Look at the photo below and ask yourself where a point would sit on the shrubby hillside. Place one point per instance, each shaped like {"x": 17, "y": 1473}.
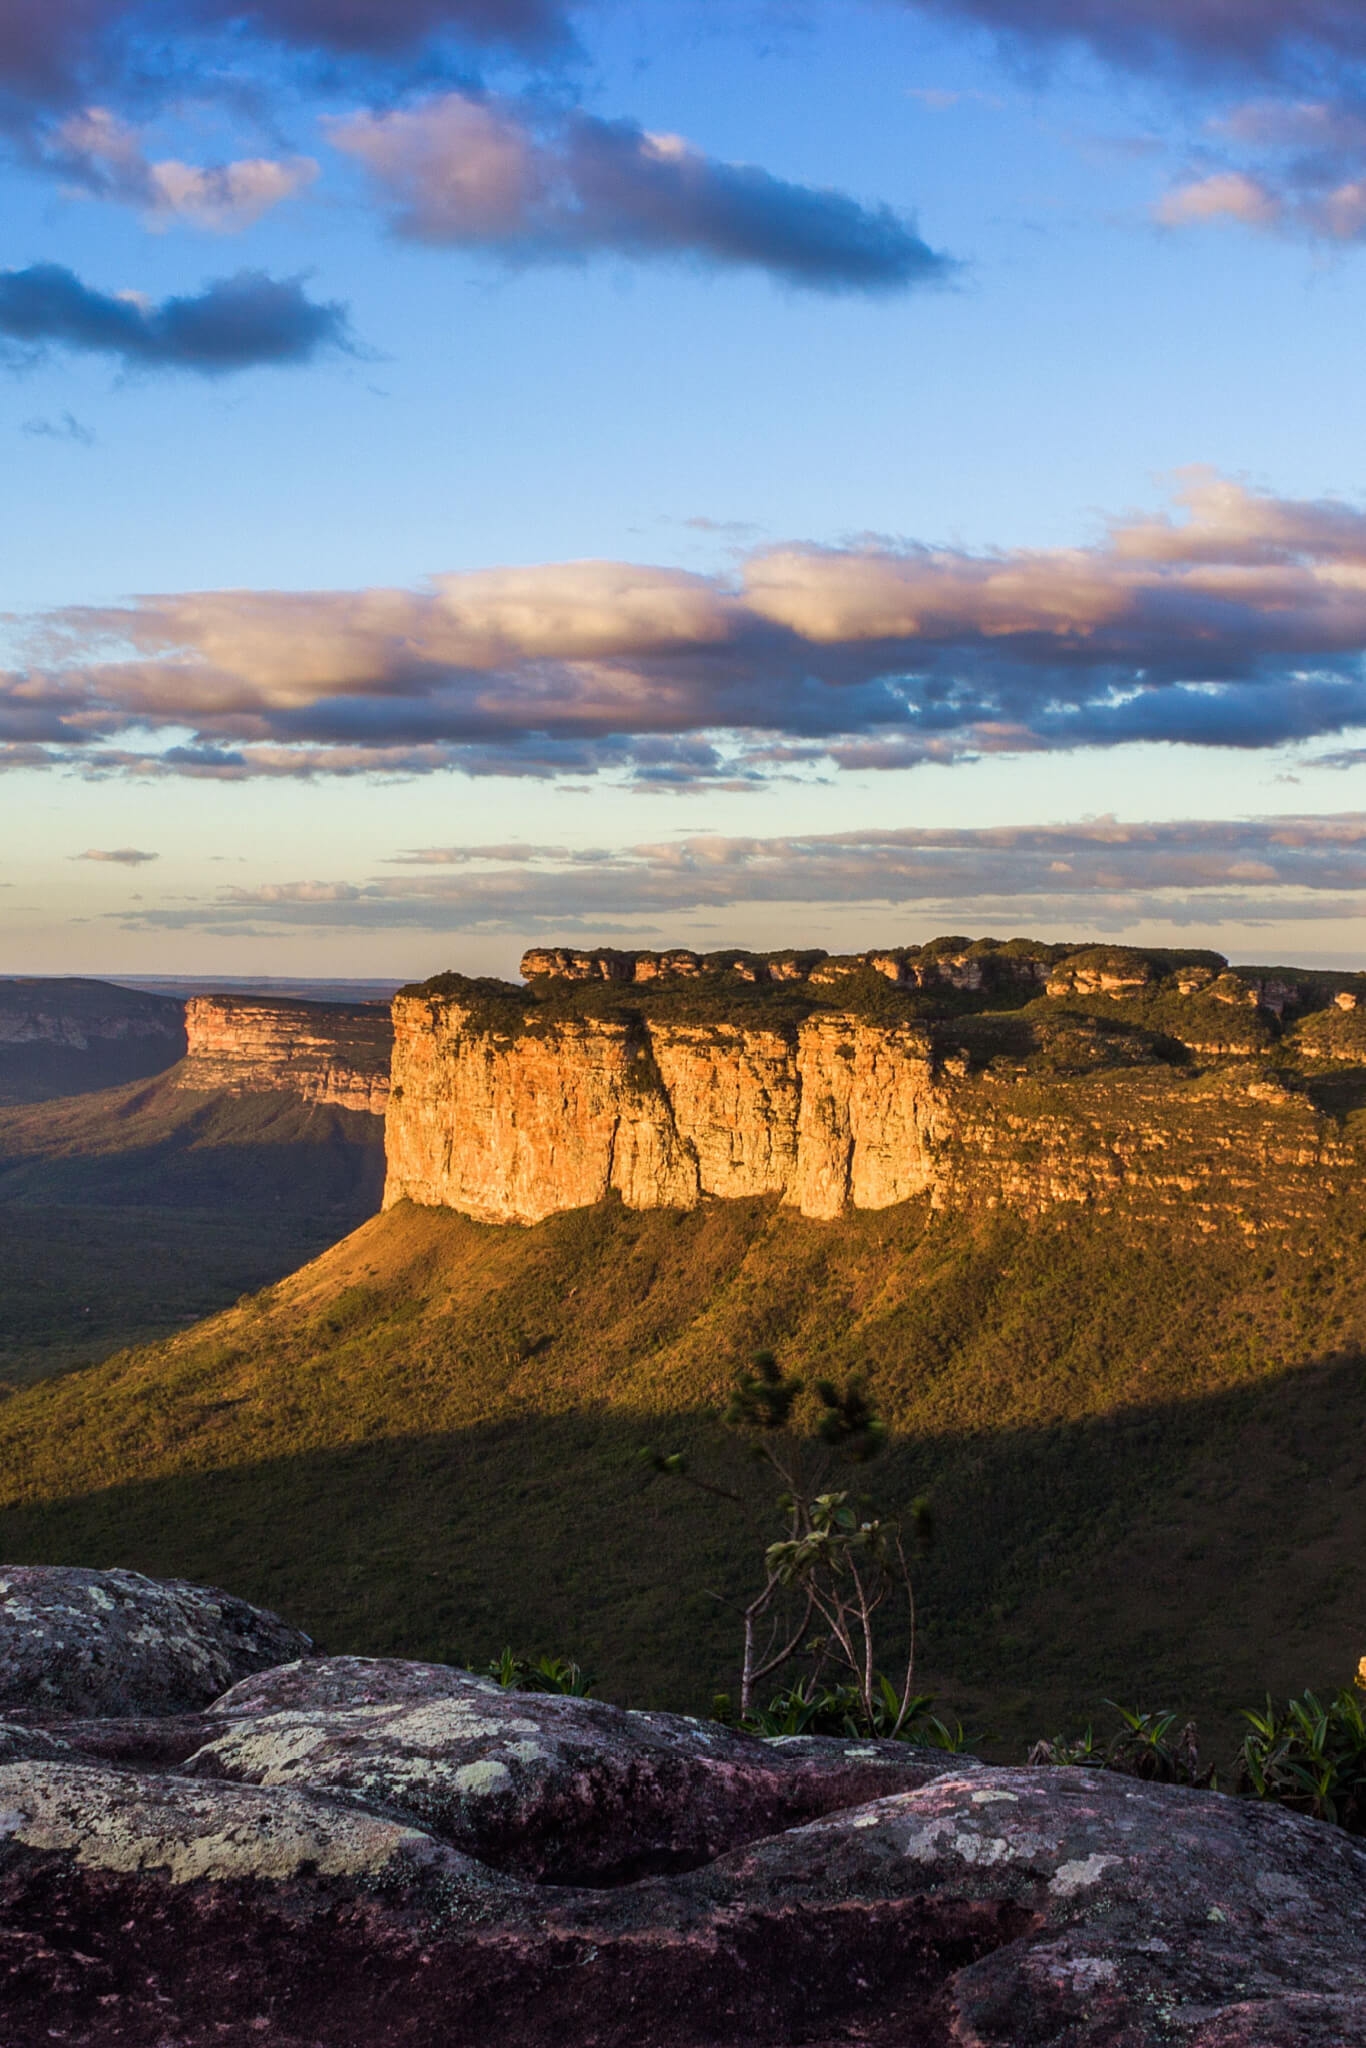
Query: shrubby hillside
{"x": 1143, "y": 1443}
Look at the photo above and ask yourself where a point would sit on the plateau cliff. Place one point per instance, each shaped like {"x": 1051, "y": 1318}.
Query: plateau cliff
{"x": 331, "y": 1053}
{"x": 971, "y": 1073}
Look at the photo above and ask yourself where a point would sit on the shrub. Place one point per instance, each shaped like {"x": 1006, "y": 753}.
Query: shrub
{"x": 1309, "y": 1755}
{"x": 545, "y": 1674}
{"x": 1158, "y": 1747}
{"x": 838, "y": 1562}
{"x": 807, "y": 1709}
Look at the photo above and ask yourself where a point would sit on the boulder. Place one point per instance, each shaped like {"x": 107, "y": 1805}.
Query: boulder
{"x": 74, "y": 1641}
{"x": 987, "y": 1908}
{"x": 558, "y": 1790}
{"x": 354, "y": 1850}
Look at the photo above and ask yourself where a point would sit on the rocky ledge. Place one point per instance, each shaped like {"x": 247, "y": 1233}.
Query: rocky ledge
{"x": 344, "y": 1850}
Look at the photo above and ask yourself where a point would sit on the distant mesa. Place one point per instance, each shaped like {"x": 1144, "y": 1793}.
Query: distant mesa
{"x": 335, "y": 1053}
{"x": 67, "y": 1036}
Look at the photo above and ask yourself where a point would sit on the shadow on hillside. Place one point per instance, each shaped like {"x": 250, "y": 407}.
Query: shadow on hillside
{"x": 126, "y": 1215}
{"x": 1188, "y": 1554}
{"x": 42, "y": 1072}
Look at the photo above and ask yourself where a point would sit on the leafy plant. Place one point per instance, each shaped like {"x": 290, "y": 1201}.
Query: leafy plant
{"x": 838, "y": 1562}
{"x": 1158, "y": 1747}
{"x": 545, "y": 1674}
{"x": 806, "y": 1709}
{"x": 1309, "y": 1755}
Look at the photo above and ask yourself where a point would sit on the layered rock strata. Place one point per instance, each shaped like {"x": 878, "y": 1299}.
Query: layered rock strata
{"x": 323, "y": 1052}
{"x": 832, "y": 1112}
{"x": 370, "y": 1850}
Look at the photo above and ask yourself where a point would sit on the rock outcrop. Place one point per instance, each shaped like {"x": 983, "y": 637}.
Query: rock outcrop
{"x": 74, "y": 1641}
{"x": 323, "y": 1052}
{"x": 388, "y": 1853}
{"x": 984, "y": 1075}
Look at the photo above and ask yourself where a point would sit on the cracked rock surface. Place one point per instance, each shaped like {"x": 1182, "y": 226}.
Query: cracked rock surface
{"x": 351, "y": 1851}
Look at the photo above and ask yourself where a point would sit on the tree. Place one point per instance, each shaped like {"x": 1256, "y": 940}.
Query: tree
{"x": 839, "y": 1563}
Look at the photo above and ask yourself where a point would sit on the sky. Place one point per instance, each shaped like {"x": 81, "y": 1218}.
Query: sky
{"x": 483, "y": 472}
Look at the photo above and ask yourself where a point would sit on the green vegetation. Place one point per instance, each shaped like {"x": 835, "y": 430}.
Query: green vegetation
{"x": 838, "y": 1561}
{"x": 1144, "y": 1444}
{"x": 1309, "y": 1755}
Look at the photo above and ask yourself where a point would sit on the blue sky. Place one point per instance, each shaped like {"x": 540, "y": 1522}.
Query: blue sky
{"x": 451, "y": 504}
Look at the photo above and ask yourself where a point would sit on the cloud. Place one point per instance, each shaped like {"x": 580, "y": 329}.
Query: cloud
{"x": 1190, "y": 871}
{"x": 1233, "y": 619}
{"x": 235, "y": 323}
{"x": 66, "y": 427}
{"x": 122, "y": 856}
{"x": 1305, "y": 176}
{"x": 63, "y": 53}
{"x": 1274, "y": 39}
{"x": 105, "y": 157}
{"x": 503, "y": 176}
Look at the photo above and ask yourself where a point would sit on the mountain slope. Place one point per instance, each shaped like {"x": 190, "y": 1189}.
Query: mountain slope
{"x": 1145, "y": 1444}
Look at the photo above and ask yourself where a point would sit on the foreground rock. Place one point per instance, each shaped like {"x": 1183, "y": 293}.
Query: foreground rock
{"x": 988, "y": 1909}
{"x": 83, "y": 1642}
{"x": 564, "y": 1791}
{"x": 351, "y": 1851}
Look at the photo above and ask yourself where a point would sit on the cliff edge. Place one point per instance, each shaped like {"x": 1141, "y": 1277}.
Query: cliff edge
{"x": 968, "y": 1072}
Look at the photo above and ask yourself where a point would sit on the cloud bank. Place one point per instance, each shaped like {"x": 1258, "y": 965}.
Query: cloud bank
{"x": 1101, "y": 870}
{"x": 1238, "y": 620}
{"x": 235, "y": 323}
{"x": 500, "y": 175}
{"x": 62, "y": 53}
{"x": 1273, "y": 39}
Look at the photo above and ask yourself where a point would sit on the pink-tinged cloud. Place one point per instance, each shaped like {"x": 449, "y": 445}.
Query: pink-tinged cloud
{"x": 510, "y": 178}
{"x": 1223, "y": 195}
{"x": 1294, "y": 167}
{"x": 104, "y": 156}
{"x": 1236, "y": 619}
{"x": 119, "y": 856}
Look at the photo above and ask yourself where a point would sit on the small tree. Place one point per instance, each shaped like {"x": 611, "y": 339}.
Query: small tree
{"x": 838, "y": 1563}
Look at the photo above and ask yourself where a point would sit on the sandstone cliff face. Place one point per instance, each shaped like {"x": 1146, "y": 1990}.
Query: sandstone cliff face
{"x": 826, "y": 1113}
{"x": 323, "y": 1052}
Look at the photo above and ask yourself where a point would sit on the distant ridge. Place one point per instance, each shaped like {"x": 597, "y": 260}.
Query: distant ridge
{"x": 363, "y": 991}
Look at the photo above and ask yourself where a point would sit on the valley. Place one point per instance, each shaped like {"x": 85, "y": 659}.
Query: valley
{"x": 128, "y": 1211}
{"x": 1117, "y": 1330}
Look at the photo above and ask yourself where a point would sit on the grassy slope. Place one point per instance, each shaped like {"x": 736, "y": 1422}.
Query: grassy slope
{"x": 1145, "y": 1449}
{"x": 128, "y": 1213}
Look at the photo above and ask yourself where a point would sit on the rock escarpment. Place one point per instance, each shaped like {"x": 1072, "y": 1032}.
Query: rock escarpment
{"x": 966, "y": 1073}
{"x": 69, "y": 1036}
{"x": 335, "y": 1053}
{"x": 367, "y": 1850}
